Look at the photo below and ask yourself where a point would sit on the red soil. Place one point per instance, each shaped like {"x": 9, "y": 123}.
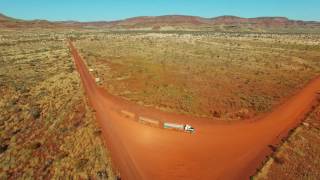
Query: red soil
{"x": 218, "y": 150}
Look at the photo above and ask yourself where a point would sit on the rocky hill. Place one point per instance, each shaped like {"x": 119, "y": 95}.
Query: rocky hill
{"x": 177, "y": 22}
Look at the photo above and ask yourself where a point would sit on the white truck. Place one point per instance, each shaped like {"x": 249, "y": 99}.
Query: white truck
{"x": 188, "y": 128}
{"x": 180, "y": 127}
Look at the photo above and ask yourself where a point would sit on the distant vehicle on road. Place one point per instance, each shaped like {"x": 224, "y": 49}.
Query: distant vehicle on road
{"x": 167, "y": 125}
{"x": 188, "y": 128}
{"x": 149, "y": 121}
{"x": 128, "y": 114}
{"x": 156, "y": 123}
{"x": 179, "y": 127}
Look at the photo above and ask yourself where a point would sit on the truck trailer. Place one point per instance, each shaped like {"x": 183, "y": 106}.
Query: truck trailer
{"x": 149, "y": 121}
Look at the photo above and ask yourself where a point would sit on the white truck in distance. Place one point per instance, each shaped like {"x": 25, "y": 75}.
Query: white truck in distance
{"x": 188, "y": 128}
{"x": 180, "y": 127}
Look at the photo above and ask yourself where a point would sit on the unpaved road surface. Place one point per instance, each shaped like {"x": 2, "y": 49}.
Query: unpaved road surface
{"x": 218, "y": 150}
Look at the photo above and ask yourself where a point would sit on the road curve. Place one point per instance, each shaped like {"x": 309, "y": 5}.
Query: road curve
{"x": 218, "y": 150}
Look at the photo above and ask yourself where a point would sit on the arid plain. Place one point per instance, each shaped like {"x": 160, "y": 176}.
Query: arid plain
{"x": 47, "y": 124}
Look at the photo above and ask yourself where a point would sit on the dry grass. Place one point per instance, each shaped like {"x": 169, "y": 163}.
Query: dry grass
{"x": 299, "y": 156}
{"x": 228, "y": 76}
{"x": 46, "y": 129}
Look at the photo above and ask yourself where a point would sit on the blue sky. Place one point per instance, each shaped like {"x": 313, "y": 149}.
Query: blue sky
{"x": 94, "y": 10}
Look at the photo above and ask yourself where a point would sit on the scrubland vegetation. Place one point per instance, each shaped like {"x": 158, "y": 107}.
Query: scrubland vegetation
{"x": 219, "y": 75}
{"x": 299, "y": 156}
{"x": 47, "y": 131}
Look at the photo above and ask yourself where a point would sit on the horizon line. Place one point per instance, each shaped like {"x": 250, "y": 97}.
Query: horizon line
{"x": 163, "y": 15}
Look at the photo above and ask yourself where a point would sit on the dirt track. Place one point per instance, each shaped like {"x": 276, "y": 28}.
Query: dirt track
{"x": 218, "y": 150}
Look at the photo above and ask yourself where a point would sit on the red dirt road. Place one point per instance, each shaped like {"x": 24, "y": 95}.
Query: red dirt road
{"x": 218, "y": 150}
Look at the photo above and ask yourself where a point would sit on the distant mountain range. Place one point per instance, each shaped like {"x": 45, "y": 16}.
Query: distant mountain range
{"x": 175, "y": 22}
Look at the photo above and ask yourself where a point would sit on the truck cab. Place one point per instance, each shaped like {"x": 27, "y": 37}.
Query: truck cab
{"x": 188, "y": 128}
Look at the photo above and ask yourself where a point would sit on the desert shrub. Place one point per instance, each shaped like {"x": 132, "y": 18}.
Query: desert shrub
{"x": 278, "y": 160}
{"x": 35, "y": 111}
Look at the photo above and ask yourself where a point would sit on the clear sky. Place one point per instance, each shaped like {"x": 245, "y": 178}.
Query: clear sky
{"x": 94, "y": 10}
